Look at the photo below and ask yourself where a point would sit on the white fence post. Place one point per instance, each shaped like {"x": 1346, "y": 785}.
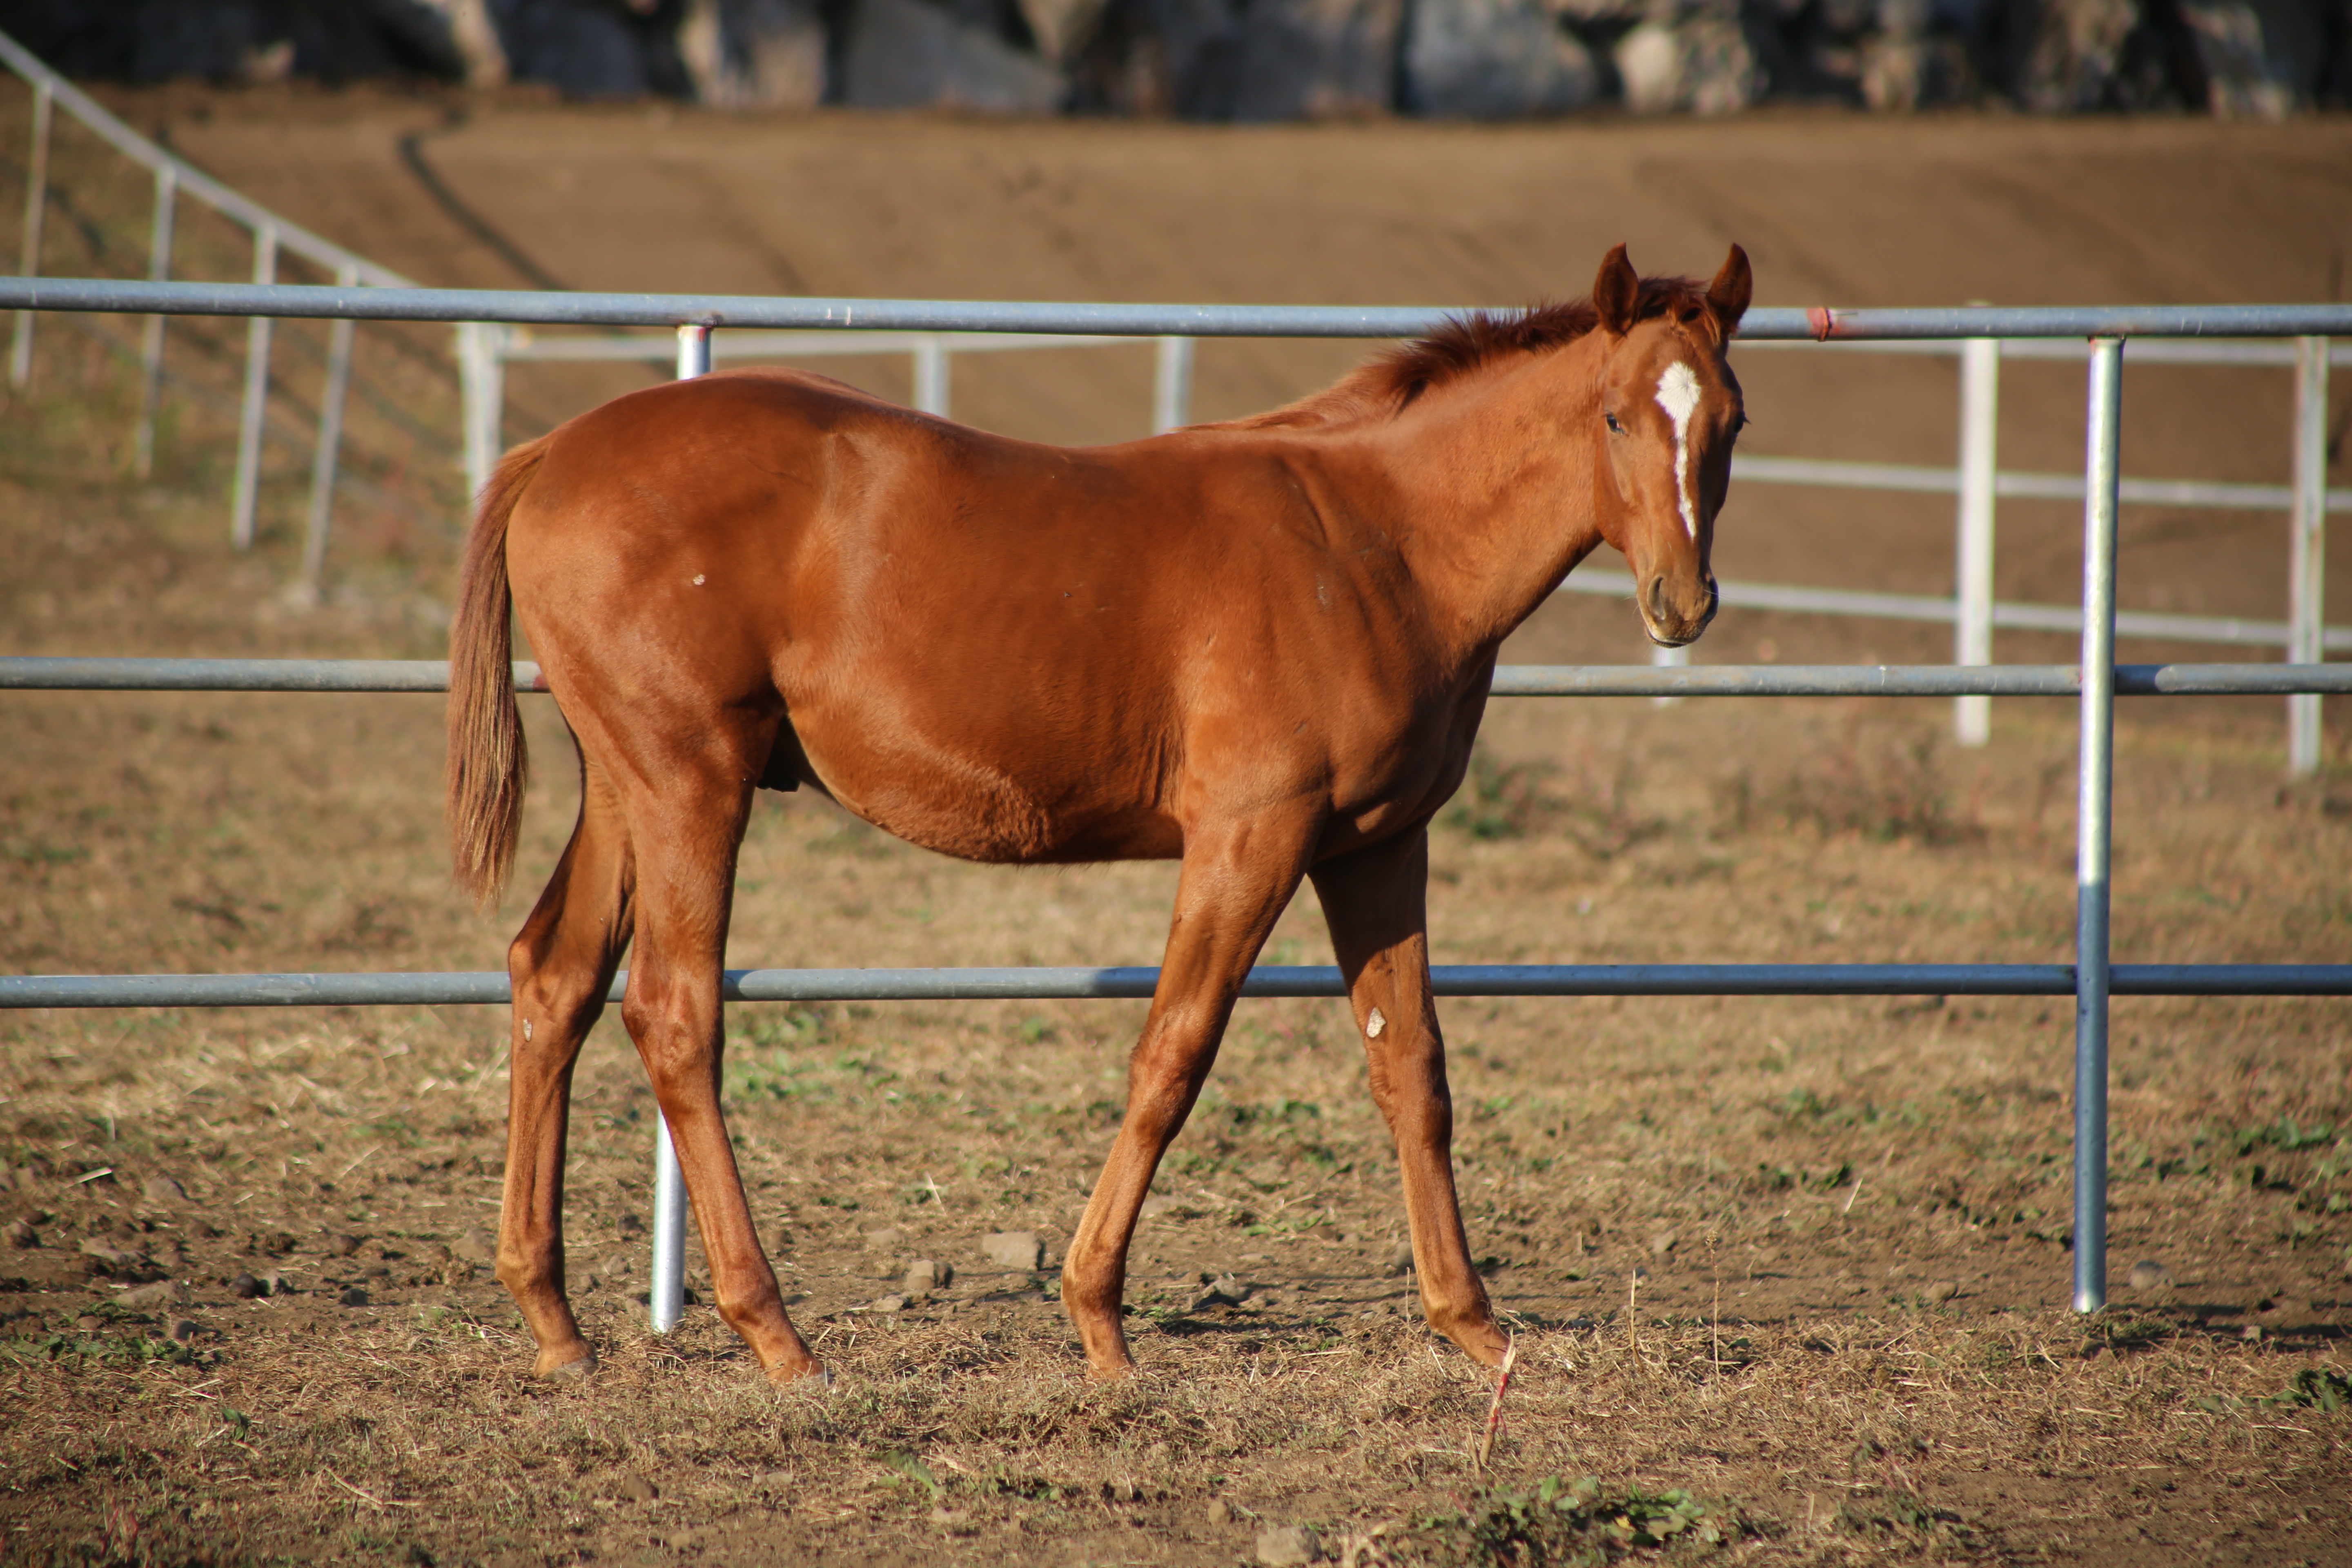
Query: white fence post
{"x": 1171, "y": 386}
{"x": 1979, "y": 430}
{"x": 37, "y": 206}
{"x": 1668, "y": 658}
{"x": 151, "y": 350}
{"x": 256, "y": 410}
{"x": 2307, "y": 553}
{"x": 665, "y": 1297}
{"x": 481, "y": 379}
{"x": 931, "y": 375}
{"x": 329, "y": 454}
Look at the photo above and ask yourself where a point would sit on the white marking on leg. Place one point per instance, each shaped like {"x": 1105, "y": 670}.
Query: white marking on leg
{"x": 1678, "y": 395}
{"x": 1374, "y": 1025}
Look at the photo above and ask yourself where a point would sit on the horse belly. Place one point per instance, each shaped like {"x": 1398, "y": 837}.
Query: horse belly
{"x": 1023, "y": 800}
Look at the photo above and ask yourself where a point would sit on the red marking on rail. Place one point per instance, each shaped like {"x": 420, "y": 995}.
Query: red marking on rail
{"x": 539, "y": 681}
{"x": 1823, "y": 321}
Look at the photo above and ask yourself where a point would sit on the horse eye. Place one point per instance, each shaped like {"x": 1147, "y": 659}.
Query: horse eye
{"x": 1612, "y": 421}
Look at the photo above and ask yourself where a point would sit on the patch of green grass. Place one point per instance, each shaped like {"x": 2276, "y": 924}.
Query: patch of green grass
{"x": 1579, "y": 1521}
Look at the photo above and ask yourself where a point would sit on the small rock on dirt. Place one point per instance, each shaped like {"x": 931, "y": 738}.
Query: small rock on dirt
{"x": 1220, "y": 1512}
{"x": 1222, "y": 1290}
{"x": 636, "y": 1489}
{"x": 1158, "y": 1204}
{"x": 888, "y": 1304}
{"x": 163, "y": 1293}
{"x": 955, "y": 1521}
{"x": 1941, "y": 1291}
{"x": 245, "y": 1288}
{"x": 119, "y": 1259}
{"x": 21, "y": 1234}
{"x": 1287, "y": 1545}
{"x": 353, "y": 1296}
{"x": 2148, "y": 1274}
{"x": 924, "y": 1276}
{"x": 2251, "y": 1331}
{"x": 1665, "y": 1241}
{"x": 1014, "y": 1249}
{"x": 886, "y": 1239}
{"x": 1400, "y": 1257}
{"x": 160, "y": 1188}
{"x": 341, "y": 1244}
{"x": 475, "y": 1245}
{"x": 184, "y": 1330}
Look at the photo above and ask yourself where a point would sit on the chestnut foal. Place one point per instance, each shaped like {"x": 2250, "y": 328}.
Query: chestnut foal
{"x": 1261, "y": 647}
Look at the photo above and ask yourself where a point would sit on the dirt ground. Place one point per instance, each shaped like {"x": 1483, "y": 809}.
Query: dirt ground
{"x": 1790, "y": 1276}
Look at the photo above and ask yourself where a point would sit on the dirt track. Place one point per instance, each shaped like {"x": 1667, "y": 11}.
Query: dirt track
{"x": 1724, "y": 1226}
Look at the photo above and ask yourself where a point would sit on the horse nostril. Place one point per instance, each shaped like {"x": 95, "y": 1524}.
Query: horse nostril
{"x": 1655, "y": 598}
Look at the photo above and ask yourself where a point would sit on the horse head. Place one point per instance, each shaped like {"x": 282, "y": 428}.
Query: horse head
{"x": 1669, "y": 410}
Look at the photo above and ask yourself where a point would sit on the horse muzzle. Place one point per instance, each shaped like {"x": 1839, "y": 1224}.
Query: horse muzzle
{"x": 1673, "y": 613}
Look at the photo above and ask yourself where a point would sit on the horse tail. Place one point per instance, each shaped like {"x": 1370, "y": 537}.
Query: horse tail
{"x": 489, "y": 760}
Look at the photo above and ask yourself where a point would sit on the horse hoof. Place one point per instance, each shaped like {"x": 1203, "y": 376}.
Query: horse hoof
{"x": 815, "y": 1376}
{"x": 575, "y": 1369}
{"x": 1111, "y": 1372}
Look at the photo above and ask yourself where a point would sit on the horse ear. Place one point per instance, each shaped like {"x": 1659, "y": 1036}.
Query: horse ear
{"x": 1615, "y": 291}
{"x": 1733, "y": 287}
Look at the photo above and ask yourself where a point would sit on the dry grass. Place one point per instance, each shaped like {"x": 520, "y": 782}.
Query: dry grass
{"x": 1726, "y": 1229}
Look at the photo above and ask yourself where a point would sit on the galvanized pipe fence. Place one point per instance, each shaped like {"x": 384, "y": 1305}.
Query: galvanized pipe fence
{"x": 487, "y": 344}
{"x": 2096, "y": 682}
{"x": 273, "y": 236}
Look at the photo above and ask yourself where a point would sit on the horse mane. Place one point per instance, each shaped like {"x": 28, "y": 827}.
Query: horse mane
{"x": 1390, "y": 383}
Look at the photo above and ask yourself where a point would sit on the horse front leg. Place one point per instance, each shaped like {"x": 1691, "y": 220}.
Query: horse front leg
{"x": 1375, "y": 901}
{"x": 1237, "y": 878}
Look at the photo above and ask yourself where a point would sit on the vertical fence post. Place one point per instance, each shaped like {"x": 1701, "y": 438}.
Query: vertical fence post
{"x": 1667, "y": 659}
{"x": 247, "y": 495}
{"x": 2095, "y": 818}
{"x": 37, "y": 206}
{"x": 2307, "y": 555}
{"x": 1979, "y": 427}
{"x": 151, "y": 349}
{"x": 481, "y": 380}
{"x": 931, "y": 376}
{"x": 1171, "y": 386}
{"x": 667, "y": 1299}
{"x": 324, "y": 461}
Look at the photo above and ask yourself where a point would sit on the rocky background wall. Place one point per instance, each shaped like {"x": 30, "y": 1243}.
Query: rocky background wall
{"x": 1256, "y": 59}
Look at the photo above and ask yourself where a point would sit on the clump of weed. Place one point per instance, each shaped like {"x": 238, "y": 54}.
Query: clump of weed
{"x": 1876, "y": 786}
{"x": 1579, "y": 1521}
{"x": 1503, "y": 800}
{"x": 1522, "y": 799}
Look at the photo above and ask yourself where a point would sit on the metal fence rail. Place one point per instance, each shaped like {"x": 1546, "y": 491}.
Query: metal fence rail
{"x": 522, "y": 306}
{"x": 422, "y": 675}
{"x": 1073, "y": 984}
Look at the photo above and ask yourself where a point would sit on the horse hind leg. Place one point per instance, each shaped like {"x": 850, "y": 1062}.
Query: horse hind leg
{"x": 562, "y": 965}
{"x": 697, "y": 813}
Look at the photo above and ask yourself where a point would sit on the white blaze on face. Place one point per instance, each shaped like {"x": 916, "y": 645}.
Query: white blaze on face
{"x": 1678, "y": 395}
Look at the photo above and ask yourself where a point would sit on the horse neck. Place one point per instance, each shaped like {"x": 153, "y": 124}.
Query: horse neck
{"x": 1496, "y": 472}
